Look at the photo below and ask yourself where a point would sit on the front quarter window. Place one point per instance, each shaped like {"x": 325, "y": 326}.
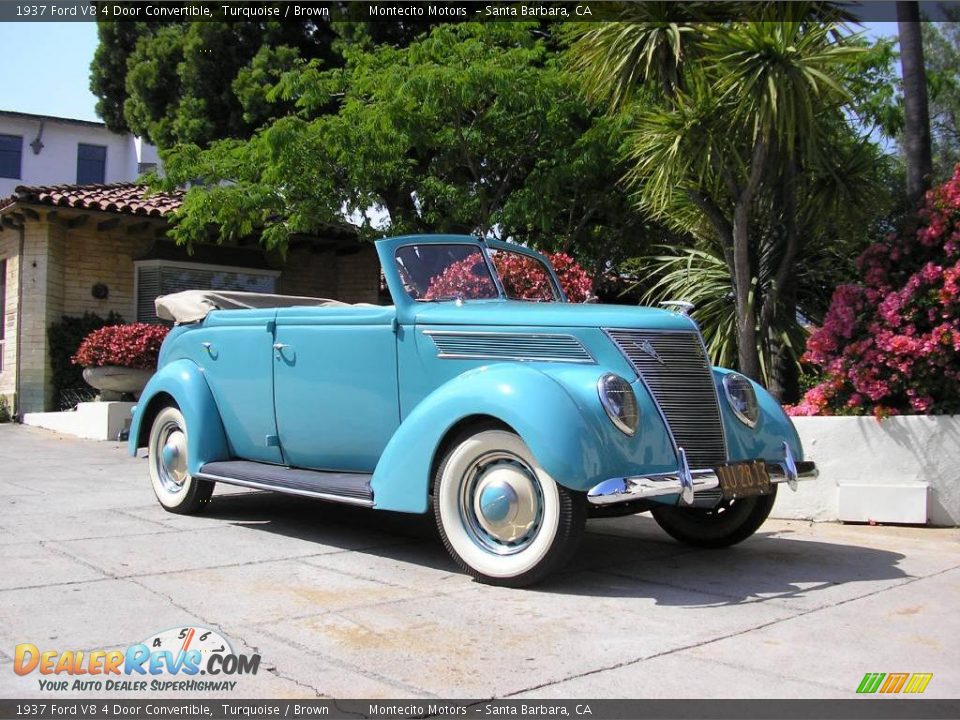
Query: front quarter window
{"x": 524, "y": 277}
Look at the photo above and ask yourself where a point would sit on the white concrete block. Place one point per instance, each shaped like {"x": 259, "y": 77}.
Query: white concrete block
{"x": 92, "y": 420}
{"x": 907, "y": 449}
{"x": 903, "y": 503}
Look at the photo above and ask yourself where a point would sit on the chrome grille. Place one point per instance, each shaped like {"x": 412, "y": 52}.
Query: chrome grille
{"x": 675, "y": 368}
{"x": 508, "y": 346}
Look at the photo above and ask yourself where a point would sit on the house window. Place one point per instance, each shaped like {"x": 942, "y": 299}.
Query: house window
{"x": 91, "y": 164}
{"x": 145, "y": 167}
{"x": 162, "y": 277}
{"x": 11, "y": 154}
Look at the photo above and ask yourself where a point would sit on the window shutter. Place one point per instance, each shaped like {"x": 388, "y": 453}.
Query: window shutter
{"x": 148, "y": 289}
{"x": 156, "y": 280}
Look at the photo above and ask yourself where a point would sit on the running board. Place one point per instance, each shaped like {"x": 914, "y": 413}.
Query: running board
{"x": 352, "y": 488}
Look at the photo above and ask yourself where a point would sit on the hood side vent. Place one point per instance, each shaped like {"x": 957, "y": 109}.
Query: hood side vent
{"x": 539, "y": 347}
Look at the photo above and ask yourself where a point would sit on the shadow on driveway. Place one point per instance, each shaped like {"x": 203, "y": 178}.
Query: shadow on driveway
{"x": 622, "y": 557}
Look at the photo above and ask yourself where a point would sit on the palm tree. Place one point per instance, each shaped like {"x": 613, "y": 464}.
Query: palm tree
{"x": 831, "y": 209}
{"x": 732, "y": 115}
{"x": 916, "y": 131}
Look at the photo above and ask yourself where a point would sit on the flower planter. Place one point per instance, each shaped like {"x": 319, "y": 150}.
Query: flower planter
{"x": 116, "y": 379}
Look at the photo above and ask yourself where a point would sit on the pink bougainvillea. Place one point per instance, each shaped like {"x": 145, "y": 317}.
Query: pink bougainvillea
{"x": 136, "y": 345}
{"x": 523, "y": 278}
{"x": 891, "y": 344}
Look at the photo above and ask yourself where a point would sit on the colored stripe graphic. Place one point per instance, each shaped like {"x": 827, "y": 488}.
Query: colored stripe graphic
{"x": 870, "y": 682}
{"x": 918, "y": 683}
{"x": 894, "y": 682}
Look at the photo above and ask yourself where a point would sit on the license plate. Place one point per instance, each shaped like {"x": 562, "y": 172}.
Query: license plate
{"x": 741, "y": 480}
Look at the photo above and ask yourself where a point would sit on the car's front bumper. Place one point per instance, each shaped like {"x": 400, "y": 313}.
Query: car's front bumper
{"x": 685, "y": 482}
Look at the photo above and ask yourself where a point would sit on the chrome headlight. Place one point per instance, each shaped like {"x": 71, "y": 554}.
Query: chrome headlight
{"x": 618, "y": 400}
{"x": 741, "y": 398}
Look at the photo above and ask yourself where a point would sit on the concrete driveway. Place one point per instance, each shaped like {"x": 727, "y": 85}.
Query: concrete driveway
{"x": 351, "y": 603}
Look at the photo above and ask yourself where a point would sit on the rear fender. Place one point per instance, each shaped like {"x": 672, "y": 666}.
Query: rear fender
{"x": 184, "y": 383}
{"x": 559, "y": 434}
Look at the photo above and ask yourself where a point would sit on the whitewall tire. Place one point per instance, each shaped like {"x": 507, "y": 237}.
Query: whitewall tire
{"x": 177, "y": 490}
{"x": 500, "y": 515}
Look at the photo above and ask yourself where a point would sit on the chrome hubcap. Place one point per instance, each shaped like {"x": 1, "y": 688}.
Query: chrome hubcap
{"x": 172, "y": 458}
{"x": 501, "y": 503}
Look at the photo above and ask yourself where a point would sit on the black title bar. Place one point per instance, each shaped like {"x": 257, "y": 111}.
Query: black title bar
{"x": 370, "y": 11}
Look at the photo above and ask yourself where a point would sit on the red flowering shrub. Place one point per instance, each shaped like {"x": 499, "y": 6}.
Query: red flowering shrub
{"x": 135, "y": 345}
{"x": 467, "y": 278}
{"x": 891, "y": 344}
{"x": 523, "y": 278}
{"x": 574, "y": 280}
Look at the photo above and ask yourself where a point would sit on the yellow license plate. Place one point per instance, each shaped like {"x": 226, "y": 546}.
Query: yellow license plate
{"x": 740, "y": 480}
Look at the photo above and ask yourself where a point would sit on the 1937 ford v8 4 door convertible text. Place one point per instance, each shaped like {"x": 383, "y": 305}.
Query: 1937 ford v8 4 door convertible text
{"x": 511, "y": 413}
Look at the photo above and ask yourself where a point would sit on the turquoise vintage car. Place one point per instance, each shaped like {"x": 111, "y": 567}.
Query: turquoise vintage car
{"x": 481, "y": 395}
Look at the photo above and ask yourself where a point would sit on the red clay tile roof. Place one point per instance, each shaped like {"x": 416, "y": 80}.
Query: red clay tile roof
{"x": 126, "y": 198}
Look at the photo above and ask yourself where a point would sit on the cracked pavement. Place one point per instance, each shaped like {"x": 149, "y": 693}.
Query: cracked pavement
{"x": 344, "y": 602}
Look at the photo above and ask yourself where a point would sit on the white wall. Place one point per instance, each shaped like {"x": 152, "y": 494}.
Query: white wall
{"x": 56, "y": 163}
{"x": 894, "y": 455}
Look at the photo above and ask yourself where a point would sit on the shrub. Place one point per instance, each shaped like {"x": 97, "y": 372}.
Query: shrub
{"x": 574, "y": 280}
{"x": 64, "y": 338}
{"x": 5, "y": 416}
{"x": 891, "y": 344}
{"x": 136, "y": 345}
{"x": 522, "y": 277}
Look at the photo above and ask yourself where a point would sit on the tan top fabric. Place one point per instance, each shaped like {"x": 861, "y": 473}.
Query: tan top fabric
{"x": 193, "y": 305}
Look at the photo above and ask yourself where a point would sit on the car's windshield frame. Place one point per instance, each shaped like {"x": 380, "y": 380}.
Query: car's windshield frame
{"x": 401, "y": 262}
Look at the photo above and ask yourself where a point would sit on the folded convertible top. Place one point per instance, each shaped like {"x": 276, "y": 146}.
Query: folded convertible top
{"x": 193, "y": 305}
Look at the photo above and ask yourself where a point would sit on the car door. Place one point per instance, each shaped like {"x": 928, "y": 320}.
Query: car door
{"x": 335, "y": 385}
{"x": 235, "y": 352}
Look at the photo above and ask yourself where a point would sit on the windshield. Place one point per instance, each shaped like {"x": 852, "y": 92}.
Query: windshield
{"x": 434, "y": 272}
{"x": 445, "y": 272}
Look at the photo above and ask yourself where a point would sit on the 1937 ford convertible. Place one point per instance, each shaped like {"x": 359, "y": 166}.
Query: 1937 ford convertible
{"x": 481, "y": 393}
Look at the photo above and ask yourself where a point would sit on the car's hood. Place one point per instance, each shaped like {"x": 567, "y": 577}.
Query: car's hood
{"x": 549, "y": 314}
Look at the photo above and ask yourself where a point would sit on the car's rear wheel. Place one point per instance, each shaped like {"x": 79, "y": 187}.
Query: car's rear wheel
{"x": 176, "y": 489}
{"x": 501, "y": 516}
{"x": 728, "y": 523}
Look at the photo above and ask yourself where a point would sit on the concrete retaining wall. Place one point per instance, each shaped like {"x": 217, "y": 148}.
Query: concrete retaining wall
{"x": 857, "y": 453}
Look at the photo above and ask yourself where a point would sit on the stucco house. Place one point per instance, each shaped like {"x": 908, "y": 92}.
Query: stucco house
{"x": 69, "y": 249}
{"x": 48, "y": 150}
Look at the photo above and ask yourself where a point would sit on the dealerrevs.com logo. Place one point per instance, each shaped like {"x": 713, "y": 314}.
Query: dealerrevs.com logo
{"x": 172, "y": 660}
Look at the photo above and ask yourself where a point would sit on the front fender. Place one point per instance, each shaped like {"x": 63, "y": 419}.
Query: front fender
{"x": 183, "y": 381}
{"x": 765, "y": 441}
{"x": 564, "y": 437}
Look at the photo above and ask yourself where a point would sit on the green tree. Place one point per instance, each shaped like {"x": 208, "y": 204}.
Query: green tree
{"x": 941, "y": 47}
{"x": 108, "y": 71}
{"x": 739, "y": 120}
{"x": 193, "y": 82}
{"x": 471, "y": 128}
{"x": 196, "y": 82}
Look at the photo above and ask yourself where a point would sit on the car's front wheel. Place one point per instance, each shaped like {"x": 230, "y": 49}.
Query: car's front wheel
{"x": 728, "y": 523}
{"x": 501, "y": 516}
{"x": 176, "y": 489}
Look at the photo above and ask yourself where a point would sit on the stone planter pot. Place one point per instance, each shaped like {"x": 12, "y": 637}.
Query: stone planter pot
{"x": 112, "y": 380}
